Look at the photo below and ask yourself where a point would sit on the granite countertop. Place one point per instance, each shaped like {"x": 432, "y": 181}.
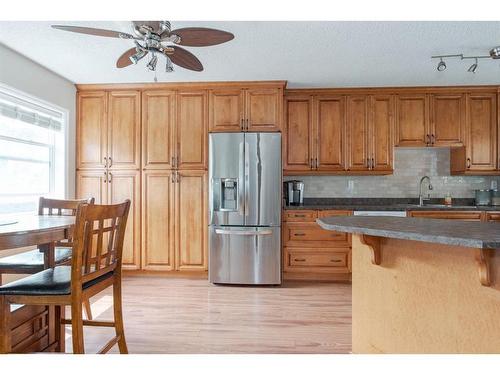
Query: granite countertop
{"x": 448, "y": 232}
{"x": 389, "y": 204}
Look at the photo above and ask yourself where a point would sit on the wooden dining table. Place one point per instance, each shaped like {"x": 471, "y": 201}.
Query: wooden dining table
{"x": 36, "y": 328}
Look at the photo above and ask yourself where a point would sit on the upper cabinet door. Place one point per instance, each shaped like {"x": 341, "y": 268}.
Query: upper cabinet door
{"x": 91, "y": 138}
{"x": 124, "y": 129}
{"x": 298, "y": 155}
{"x": 381, "y": 136}
{"x": 357, "y": 133}
{"x": 412, "y": 121}
{"x": 264, "y": 109}
{"x": 158, "y": 113}
{"x": 191, "y": 130}
{"x": 447, "y": 119}
{"x": 226, "y": 110}
{"x": 481, "y": 129}
{"x": 330, "y": 121}
{"x": 191, "y": 221}
{"x": 92, "y": 184}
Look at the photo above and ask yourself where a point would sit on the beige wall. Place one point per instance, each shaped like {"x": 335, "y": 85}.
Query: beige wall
{"x": 23, "y": 74}
{"x": 409, "y": 165}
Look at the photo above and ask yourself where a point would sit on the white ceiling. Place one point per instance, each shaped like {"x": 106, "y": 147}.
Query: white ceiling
{"x": 307, "y": 54}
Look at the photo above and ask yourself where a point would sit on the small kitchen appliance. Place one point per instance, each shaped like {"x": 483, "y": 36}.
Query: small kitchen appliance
{"x": 294, "y": 192}
{"x": 483, "y": 197}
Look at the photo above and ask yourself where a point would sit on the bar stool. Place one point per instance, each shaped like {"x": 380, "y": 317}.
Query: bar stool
{"x": 33, "y": 261}
{"x": 96, "y": 264}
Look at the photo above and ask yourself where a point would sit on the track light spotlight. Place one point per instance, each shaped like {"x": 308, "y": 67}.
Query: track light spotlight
{"x": 441, "y": 66}
{"x": 473, "y": 67}
{"x": 152, "y": 63}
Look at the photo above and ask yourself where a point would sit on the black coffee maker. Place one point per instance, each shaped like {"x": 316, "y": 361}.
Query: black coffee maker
{"x": 293, "y": 191}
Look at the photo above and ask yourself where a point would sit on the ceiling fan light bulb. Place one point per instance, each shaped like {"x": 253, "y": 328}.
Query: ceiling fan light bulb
{"x": 169, "y": 67}
{"x": 137, "y": 56}
{"x": 152, "y": 63}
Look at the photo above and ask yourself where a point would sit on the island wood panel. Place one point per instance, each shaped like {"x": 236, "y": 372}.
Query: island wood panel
{"x": 158, "y": 220}
{"x": 226, "y": 110}
{"x": 381, "y": 136}
{"x": 264, "y": 108}
{"x": 191, "y": 226}
{"x": 191, "y": 129}
{"x": 357, "y": 133}
{"x": 91, "y": 133}
{"x": 298, "y": 147}
{"x": 158, "y": 119}
{"x": 422, "y": 298}
{"x": 412, "y": 124}
{"x": 447, "y": 119}
{"x": 330, "y": 133}
{"x": 122, "y": 185}
{"x": 124, "y": 130}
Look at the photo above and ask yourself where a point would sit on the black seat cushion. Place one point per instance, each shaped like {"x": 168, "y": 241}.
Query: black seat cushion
{"x": 50, "y": 282}
{"x": 32, "y": 260}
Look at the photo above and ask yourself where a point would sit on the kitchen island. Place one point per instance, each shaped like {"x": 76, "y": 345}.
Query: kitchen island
{"x": 423, "y": 285}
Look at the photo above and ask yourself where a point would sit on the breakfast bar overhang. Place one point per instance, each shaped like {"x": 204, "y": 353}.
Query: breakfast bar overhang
{"x": 423, "y": 285}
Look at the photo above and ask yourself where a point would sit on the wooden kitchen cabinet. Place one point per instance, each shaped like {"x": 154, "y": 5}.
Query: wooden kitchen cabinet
{"x": 158, "y": 119}
{"x": 92, "y": 135}
{"x": 381, "y": 133}
{"x": 412, "y": 124}
{"x": 108, "y": 131}
{"x": 479, "y": 155}
{"x": 312, "y": 253}
{"x": 251, "y": 108}
{"x": 299, "y": 136}
{"x": 111, "y": 187}
{"x": 191, "y": 130}
{"x": 158, "y": 220}
{"x": 357, "y": 130}
{"x": 191, "y": 223}
{"x": 447, "y": 119}
{"x": 174, "y": 220}
{"x": 454, "y": 215}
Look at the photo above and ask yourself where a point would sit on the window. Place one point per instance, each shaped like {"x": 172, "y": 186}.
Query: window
{"x": 32, "y": 152}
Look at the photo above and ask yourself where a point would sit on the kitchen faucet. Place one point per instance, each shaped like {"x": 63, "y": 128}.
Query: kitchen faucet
{"x": 421, "y": 199}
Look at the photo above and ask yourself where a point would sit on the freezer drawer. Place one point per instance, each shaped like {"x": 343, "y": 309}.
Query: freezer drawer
{"x": 245, "y": 255}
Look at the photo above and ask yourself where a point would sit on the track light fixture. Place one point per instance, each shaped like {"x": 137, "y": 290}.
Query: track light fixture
{"x": 441, "y": 66}
{"x": 473, "y": 67}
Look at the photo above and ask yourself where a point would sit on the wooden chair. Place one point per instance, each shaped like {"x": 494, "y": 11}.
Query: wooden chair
{"x": 96, "y": 264}
{"x": 34, "y": 261}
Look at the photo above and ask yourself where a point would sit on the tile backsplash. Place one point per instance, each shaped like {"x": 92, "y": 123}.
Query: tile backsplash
{"x": 410, "y": 164}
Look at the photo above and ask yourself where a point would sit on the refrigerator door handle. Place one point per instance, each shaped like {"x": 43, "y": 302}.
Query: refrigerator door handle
{"x": 247, "y": 177}
{"x": 263, "y": 232}
{"x": 241, "y": 180}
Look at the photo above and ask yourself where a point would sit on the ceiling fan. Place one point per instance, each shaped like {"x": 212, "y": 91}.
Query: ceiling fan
{"x": 157, "y": 38}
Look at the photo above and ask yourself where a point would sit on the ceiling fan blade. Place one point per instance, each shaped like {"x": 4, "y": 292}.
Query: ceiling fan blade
{"x": 155, "y": 25}
{"x": 92, "y": 31}
{"x": 185, "y": 59}
{"x": 202, "y": 36}
{"x": 124, "y": 59}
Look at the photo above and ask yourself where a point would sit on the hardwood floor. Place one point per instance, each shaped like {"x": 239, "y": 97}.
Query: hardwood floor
{"x": 166, "y": 315}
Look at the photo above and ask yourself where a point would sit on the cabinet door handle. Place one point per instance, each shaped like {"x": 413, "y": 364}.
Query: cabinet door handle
{"x": 299, "y": 260}
{"x": 373, "y": 163}
{"x": 172, "y": 177}
{"x": 247, "y": 125}
{"x": 173, "y": 162}
{"x": 468, "y": 163}
{"x": 299, "y": 215}
{"x": 335, "y": 260}
{"x": 177, "y": 177}
{"x": 105, "y": 162}
{"x": 110, "y": 177}
{"x": 105, "y": 177}
{"x": 299, "y": 234}
{"x": 433, "y": 139}
{"x": 312, "y": 163}
{"x": 110, "y": 162}
{"x": 368, "y": 162}
{"x": 428, "y": 140}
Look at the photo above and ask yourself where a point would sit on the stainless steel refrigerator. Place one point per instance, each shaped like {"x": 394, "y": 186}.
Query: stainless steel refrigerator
{"x": 245, "y": 208}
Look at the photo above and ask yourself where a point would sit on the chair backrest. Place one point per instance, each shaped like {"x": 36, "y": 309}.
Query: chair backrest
{"x": 97, "y": 241}
{"x": 60, "y": 207}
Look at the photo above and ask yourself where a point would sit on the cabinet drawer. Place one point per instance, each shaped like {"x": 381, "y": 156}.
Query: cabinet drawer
{"x": 300, "y": 216}
{"x": 300, "y": 259}
{"x": 326, "y": 213}
{"x": 493, "y": 216}
{"x": 311, "y": 234}
{"x": 455, "y": 215}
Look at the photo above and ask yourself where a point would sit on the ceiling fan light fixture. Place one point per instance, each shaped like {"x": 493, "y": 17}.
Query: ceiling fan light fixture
{"x": 152, "y": 63}
{"x": 136, "y": 57}
{"x": 169, "y": 67}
